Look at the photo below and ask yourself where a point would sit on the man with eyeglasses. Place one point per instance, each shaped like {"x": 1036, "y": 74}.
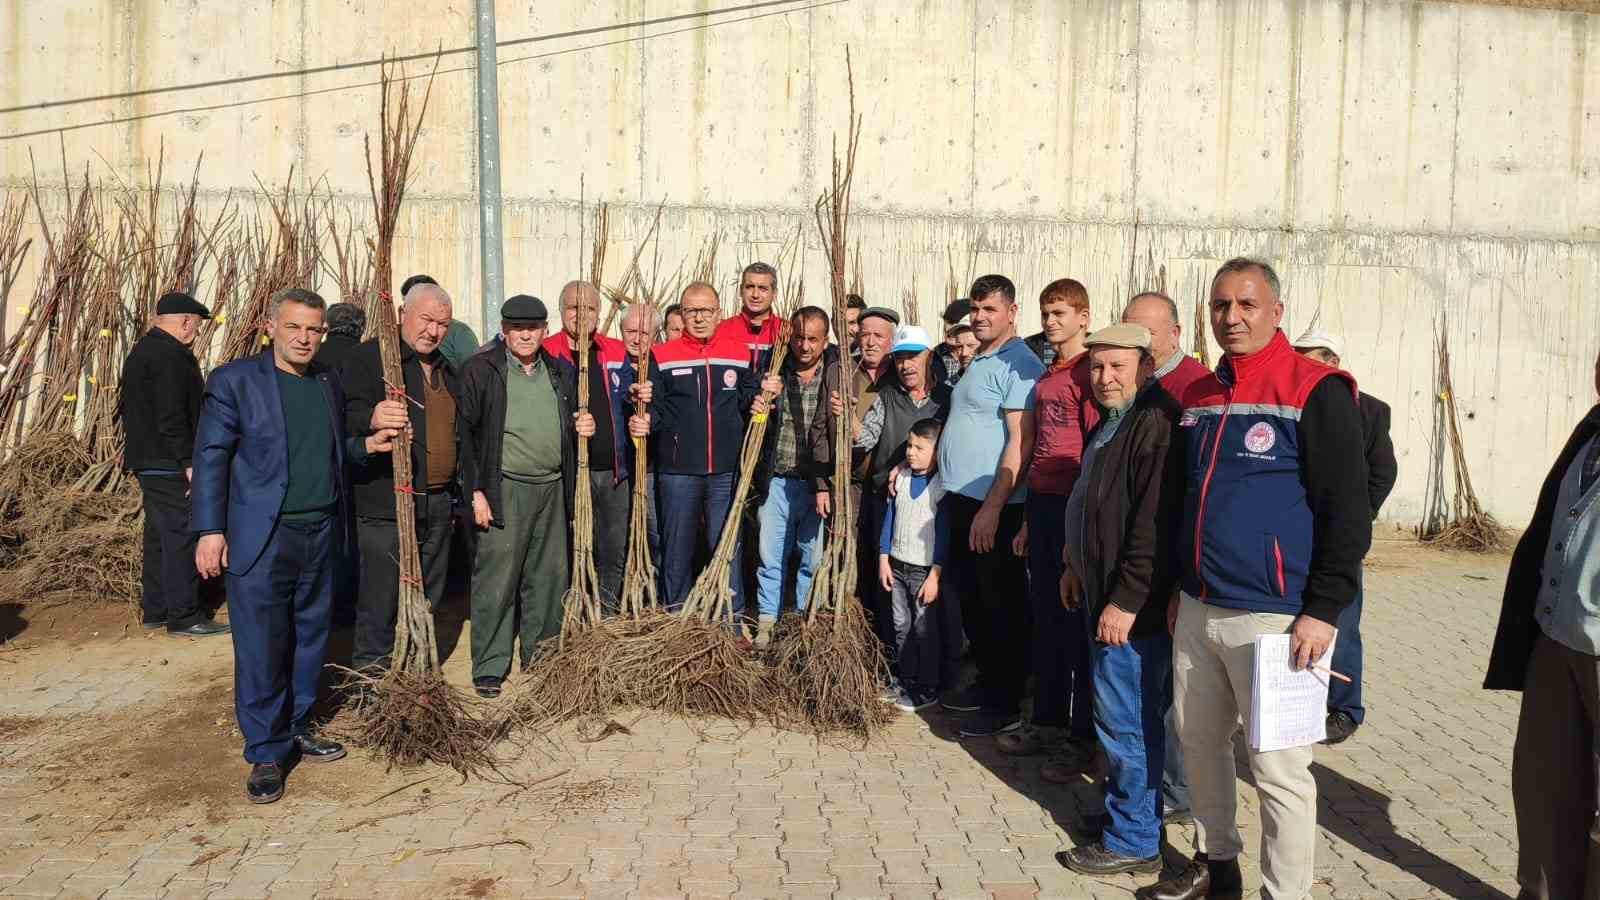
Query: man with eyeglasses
{"x": 701, "y": 392}
{"x": 425, "y": 403}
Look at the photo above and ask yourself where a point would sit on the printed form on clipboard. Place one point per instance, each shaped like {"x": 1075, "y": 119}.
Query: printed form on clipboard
{"x": 1288, "y": 708}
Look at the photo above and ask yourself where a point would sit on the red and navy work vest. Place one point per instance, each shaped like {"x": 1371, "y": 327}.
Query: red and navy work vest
{"x": 703, "y": 391}
{"x": 757, "y": 339}
{"x": 1247, "y": 539}
{"x": 613, "y": 355}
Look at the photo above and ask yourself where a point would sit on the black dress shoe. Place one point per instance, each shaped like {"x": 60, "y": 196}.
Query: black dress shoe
{"x": 265, "y": 783}
{"x": 206, "y": 628}
{"x": 1094, "y": 859}
{"x": 154, "y": 624}
{"x": 488, "y": 687}
{"x": 1340, "y": 727}
{"x": 1177, "y": 817}
{"x": 1201, "y": 878}
{"x": 317, "y": 750}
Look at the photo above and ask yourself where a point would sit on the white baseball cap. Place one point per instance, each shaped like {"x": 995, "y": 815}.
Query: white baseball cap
{"x": 1317, "y": 339}
{"x": 910, "y": 339}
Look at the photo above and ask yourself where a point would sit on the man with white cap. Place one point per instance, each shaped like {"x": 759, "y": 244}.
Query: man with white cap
{"x": 1122, "y": 524}
{"x": 1345, "y": 712}
{"x": 915, "y": 391}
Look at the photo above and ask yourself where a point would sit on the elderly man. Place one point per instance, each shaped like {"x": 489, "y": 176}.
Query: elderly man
{"x": 426, "y": 403}
{"x": 1275, "y": 525}
{"x": 269, "y": 467}
{"x": 874, "y": 372}
{"x": 917, "y": 392}
{"x": 459, "y": 341}
{"x": 610, "y": 480}
{"x": 1064, "y": 412}
{"x": 519, "y": 424}
{"x": 701, "y": 394}
{"x": 754, "y": 325}
{"x": 1345, "y": 710}
{"x": 638, "y": 336}
{"x": 793, "y": 483}
{"x": 983, "y": 458}
{"x": 1548, "y": 647}
{"x": 1176, "y": 370}
{"x": 158, "y": 401}
{"x": 1122, "y": 522}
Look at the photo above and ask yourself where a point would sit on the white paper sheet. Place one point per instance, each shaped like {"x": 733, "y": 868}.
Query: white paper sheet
{"x": 1288, "y": 708}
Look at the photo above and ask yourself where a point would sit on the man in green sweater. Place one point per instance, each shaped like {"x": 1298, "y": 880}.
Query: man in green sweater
{"x": 519, "y": 426}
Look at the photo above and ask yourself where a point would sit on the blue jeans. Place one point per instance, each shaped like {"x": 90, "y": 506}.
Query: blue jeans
{"x": 692, "y": 506}
{"x": 1061, "y": 689}
{"x": 1346, "y": 698}
{"x": 1132, "y": 691}
{"x": 789, "y": 520}
{"x": 280, "y": 611}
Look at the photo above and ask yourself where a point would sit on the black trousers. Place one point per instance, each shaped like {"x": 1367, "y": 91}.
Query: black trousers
{"x": 171, "y": 582}
{"x": 613, "y": 509}
{"x": 378, "y": 603}
{"x": 878, "y": 602}
{"x": 995, "y": 608}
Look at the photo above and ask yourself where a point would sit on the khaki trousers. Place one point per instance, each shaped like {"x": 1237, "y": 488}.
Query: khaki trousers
{"x": 1213, "y": 660}
{"x": 1553, "y": 775}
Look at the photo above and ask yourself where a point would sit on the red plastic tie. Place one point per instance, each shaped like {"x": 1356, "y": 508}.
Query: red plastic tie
{"x": 408, "y": 489}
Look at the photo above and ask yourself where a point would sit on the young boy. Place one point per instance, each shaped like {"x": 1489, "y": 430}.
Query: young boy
{"x": 910, "y": 555}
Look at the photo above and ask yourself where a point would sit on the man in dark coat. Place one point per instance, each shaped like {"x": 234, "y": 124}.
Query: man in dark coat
{"x": 346, "y": 322}
{"x": 519, "y": 425}
{"x": 1345, "y": 711}
{"x": 1548, "y": 647}
{"x": 426, "y": 403}
{"x": 1123, "y": 521}
{"x": 159, "y": 404}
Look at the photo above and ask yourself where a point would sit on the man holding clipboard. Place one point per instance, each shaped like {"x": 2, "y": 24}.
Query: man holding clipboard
{"x": 1275, "y": 526}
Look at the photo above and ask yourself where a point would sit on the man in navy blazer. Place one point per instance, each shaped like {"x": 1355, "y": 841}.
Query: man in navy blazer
{"x": 268, "y": 495}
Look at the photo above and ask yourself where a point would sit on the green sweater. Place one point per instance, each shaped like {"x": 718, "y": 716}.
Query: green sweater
{"x": 310, "y": 436}
{"x": 531, "y": 448}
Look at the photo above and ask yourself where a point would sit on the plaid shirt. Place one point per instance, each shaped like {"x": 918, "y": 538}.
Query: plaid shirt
{"x": 787, "y": 453}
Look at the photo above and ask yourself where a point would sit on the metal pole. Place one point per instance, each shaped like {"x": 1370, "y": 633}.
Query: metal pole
{"x": 489, "y": 237}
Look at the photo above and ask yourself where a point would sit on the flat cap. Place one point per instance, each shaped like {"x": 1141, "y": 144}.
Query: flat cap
{"x": 524, "y": 310}
{"x": 882, "y": 312}
{"x": 177, "y": 303}
{"x": 1123, "y": 334}
{"x": 1317, "y": 339}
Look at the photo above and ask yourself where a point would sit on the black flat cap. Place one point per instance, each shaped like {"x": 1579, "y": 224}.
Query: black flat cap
{"x": 177, "y": 303}
{"x": 882, "y": 312}
{"x": 524, "y": 310}
{"x": 957, "y": 310}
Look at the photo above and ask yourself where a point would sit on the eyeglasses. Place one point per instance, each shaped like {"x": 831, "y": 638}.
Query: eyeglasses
{"x": 702, "y": 312}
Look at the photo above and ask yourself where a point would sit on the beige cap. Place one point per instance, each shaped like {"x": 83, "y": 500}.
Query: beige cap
{"x": 1123, "y": 334}
{"x": 1317, "y": 339}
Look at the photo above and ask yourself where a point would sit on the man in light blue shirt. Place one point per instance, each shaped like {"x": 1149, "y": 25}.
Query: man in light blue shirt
{"x": 987, "y": 439}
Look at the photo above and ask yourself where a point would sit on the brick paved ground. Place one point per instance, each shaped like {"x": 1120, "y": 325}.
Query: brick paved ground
{"x": 120, "y": 777}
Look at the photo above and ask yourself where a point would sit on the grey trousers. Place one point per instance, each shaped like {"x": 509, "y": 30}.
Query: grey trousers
{"x": 521, "y": 569}
{"x": 1553, "y": 775}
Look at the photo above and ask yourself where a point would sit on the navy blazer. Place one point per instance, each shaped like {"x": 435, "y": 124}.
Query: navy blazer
{"x": 241, "y": 456}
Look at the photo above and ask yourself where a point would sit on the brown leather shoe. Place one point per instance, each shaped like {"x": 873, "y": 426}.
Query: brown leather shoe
{"x": 1201, "y": 878}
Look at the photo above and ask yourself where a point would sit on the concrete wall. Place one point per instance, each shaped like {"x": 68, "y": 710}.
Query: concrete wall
{"x": 1404, "y": 163}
